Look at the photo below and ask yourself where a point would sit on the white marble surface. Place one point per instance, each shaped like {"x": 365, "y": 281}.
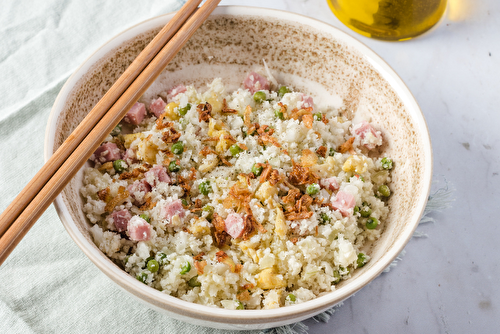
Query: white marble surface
{"x": 449, "y": 281}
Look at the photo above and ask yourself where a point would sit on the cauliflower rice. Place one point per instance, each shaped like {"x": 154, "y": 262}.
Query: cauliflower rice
{"x": 250, "y": 199}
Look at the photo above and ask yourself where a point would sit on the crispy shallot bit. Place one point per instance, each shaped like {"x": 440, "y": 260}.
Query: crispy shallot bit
{"x": 200, "y": 265}
{"x": 243, "y": 296}
{"x": 321, "y": 151}
{"x": 294, "y": 240}
{"x": 292, "y": 196}
{"x": 298, "y": 215}
{"x": 301, "y": 175}
{"x": 224, "y": 258}
{"x": 299, "y": 113}
{"x": 324, "y": 119}
{"x": 268, "y": 139}
{"x": 226, "y": 110}
{"x": 246, "y": 118}
{"x": 159, "y": 122}
{"x": 148, "y": 205}
{"x": 204, "y": 109}
{"x": 199, "y": 256}
{"x": 266, "y": 172}
{"x": 308, "y": 119}
{"x": 106, "y": 165}
{"x": 135, "y": 173}
{"x": 104, "y": 195}
{"x": 170, "y": 136}
{"x": 122, "y": 195}
{"x": 184, "y": 184}
{"x": 347, "y": 146}
{"x": 251, "y": 219}
{"x": 242, "y": 146}
{"x": 206, "y": 151}
{"x": 220, "y": 235}
{"x": 309, "y": 158}
{"x": 275, "y": 177}
{"x": 283, "y": 110}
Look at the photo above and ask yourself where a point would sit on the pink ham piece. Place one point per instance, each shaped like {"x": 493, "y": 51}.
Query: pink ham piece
{"x": 368, "y": 136}
{"x": 157, "y": 107}
{"x": 138, "y": 229}
{"x": 121, "y": 219}
{"x": 344, "y": 202}
{"x": 156, "y": 175}
{"x": 307, "y": 101}
{"x": 176, "y": 90}
{"x": 329, "y": 183}
{"x": 106, "y": 152}
{"x": 136, "y": 114}
{"x": 255, "y": 82}
{"x": 138, "y": 189}
{"x": 130, "y": 157}
{"x": 173, "y": 208}
{"x": 234, "y": 225}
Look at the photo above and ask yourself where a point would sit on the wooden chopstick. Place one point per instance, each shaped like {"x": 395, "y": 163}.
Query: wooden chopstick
{"x": 111, "y": 96}
{"x": 37, "y": 201}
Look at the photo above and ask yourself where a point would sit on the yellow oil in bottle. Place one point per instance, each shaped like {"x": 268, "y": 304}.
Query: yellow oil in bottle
{"x": 390, "y": 20}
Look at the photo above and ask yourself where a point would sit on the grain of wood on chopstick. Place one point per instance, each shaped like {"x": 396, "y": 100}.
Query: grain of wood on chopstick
{"x": 32, "y": 202}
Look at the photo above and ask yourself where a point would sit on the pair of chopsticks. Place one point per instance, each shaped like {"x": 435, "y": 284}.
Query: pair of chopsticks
{"x": 41, "y": 191}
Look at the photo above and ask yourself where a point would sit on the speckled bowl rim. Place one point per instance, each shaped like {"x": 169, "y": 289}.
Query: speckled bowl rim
{"x": 257, "y": 318}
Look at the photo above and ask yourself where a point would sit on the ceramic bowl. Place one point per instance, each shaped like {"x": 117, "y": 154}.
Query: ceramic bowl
{"x": 320, "y": 60}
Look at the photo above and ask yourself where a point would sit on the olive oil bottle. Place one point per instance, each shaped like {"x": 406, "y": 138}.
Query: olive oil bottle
{"x": 390, "y": 20}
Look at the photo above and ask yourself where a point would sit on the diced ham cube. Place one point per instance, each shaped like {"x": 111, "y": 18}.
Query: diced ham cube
{"x": 138, "y": 229}
{"x": 367, "y": 135}
{"x": 121, "y": 219}
{"x": 234, "y": 225}
{"x": 176, "y": 90}
{"x": 307, "y": 101}
{"x": 136, "y": 114}
{"x": 344, "y": 202}
{"x": 139, "y": 189}
{"x": 130, "y": 157}
{"x": 157, "y": 107}
{"x": 106, "y": 152}
{"x": 255, "y": 82}
{"x": 329, "y": 183}
{"x": 173, "y": 208}
{"x": 156, "y": 175}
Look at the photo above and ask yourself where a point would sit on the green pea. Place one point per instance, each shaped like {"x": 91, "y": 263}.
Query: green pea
{"x": 361, "y": 261}
{"x": 117, "y": 130}
{"x": 371, "y": 223}
{"x": 365, "y": 211}
{"x": 240, "y": 305}
{"x": 291, "y": 297}
{"x": 324, "y": 218}
{"x": 205, "y": 188}
{"x": 142, "y": 277}
{"x": 279, "y": 114}
{"x": 145, "y": 217}
{"x": 178, "y": 147}
{"x": 312, "y": 189}
{"x": 386, "y": 163}
{"x": 318, "y": 116}
{"x": 153, "y": 266}
{"x": 259, "y": 96}
{"x": 283, "y": 90}
{"x": 119, "y": 165}
{"x": 184, "y": 202}
{"x": 162, "y": 259}
{"x": 235, "y": 150}
{"x": 185, "y": 268}
{"x": 173, "y": 166}
{"x": 336, "y": 275}
{"x": 384, "y": 190}
{"x": 356, "y": 209}
{"x": 210, "y": 210}
{"x": 332, "y": 152}
{"x": 183, "y": 111}
{"x": 257, "y": 170}
{"x": 193, "y": 282}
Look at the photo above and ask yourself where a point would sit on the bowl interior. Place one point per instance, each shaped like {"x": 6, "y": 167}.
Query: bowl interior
{"x": 315, "y": 58}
